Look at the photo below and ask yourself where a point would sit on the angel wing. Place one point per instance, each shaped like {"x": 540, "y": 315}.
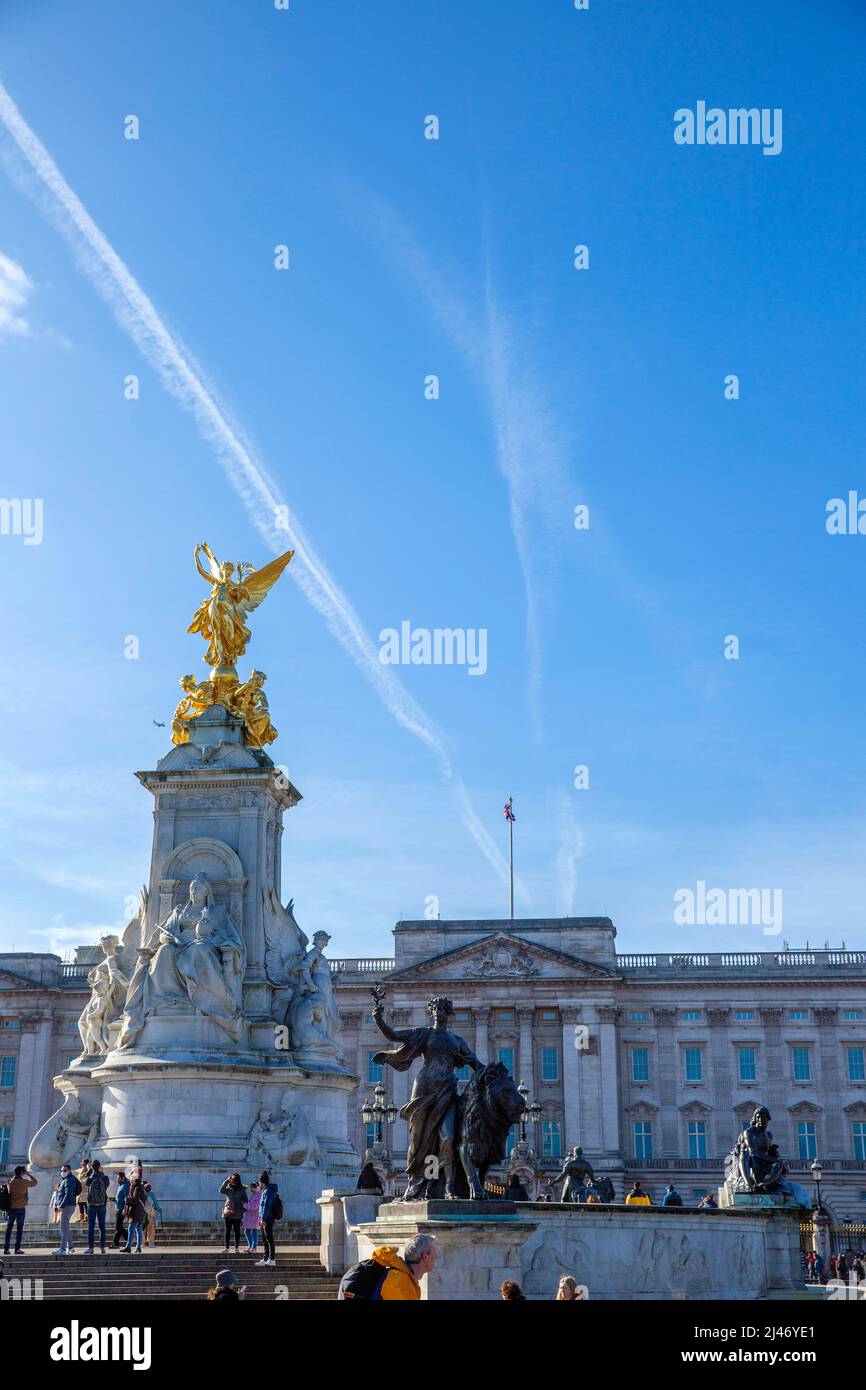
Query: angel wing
{"x": 133, "y": 936}
{"x": 284, "y": 940}
{"x": 258, "y": 583}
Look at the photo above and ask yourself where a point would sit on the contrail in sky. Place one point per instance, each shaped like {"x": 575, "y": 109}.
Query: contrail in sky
{"x": 273, "y": 519}
{"x": 531, "y": 448}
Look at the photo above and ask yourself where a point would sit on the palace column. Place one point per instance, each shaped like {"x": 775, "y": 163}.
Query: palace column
{"x": 482, "y": 1034}
{"x": 572, "y": 1059}
{"x": 607, "y": 1016}
{"x": 527, "y": 1065}
{"x": 30, "y": 1080}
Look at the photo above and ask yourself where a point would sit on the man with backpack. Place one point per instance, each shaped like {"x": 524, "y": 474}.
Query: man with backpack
{"x": 96, "y": 1184}
{"x": 15, "y": 1206}
{"x": 65, "y": 1197}
{"x": 390, "y": 1274}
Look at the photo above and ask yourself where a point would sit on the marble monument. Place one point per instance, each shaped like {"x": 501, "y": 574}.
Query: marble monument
{"x": 210, "y": 1042}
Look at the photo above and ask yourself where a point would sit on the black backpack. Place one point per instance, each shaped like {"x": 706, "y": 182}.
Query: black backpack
{"x": 364, "y": 1280}
{"x": 277, "y": 1208}
{"x": 4, "y": 1197}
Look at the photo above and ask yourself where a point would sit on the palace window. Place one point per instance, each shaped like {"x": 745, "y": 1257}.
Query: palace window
{"x": 643, "y": 1139}
{"x": 370, "y": 1134}
{"x": 7, "y": 1071}
{"x": 697, "y": 1139}
{"x": 463, "y": 1073}
{"x": 640, "y": 1064}
{"x": 10, "y": 1023}
{"x": 549, "y": 1015}
{"x": 506, "y": 1055}
{"x": 549, "y": 1064}
{"x": 638, "y": 1018}
{"x": 504, "y": 1015}
{"x": 851, "y": 1015}
{"x": 856, "y": 1064}
{"x": 694, "y": 1063}
{"x": 5, "y": 1139}
{"x": 462, "y": 1016}
{"x": 374, "y": 1069}
{"x": 798, "y": 1015}
{"x": 511, "y": 1141}
{"x": 801, "y": 1063}
{"x": 691, "y": 1015}
{"x": 551, "y": 1139}
{"x": 859, "y": 1134}
{"x": 747, "y": 1063}
{"x": 807, "y": 1143}
{"x": 744, "y": 1016}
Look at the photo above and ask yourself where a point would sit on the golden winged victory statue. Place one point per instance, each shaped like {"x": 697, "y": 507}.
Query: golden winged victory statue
{"x": 221, "y": 619}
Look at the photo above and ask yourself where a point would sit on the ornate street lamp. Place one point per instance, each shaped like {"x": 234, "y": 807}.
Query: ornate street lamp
{"x": 379, "y": 1111}
{"x": 529, "y": 1112}
{"x": 817, "y": 1173}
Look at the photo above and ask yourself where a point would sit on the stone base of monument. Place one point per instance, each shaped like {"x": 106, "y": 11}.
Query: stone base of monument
{"x": 188, "y": 1122}
{"x": 616, "y": 1252}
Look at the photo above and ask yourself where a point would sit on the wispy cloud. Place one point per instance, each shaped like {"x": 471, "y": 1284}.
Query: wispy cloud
{"x": 278, "y": 526}
{"x": 531, "y": 446}
{"x": 570, "y": 849}
{"x": 15, "y": 289}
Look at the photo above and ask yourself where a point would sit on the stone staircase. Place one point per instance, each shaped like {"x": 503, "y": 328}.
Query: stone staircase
{"x": 172, "y": 1233}
{"x": 170, "y": 1275}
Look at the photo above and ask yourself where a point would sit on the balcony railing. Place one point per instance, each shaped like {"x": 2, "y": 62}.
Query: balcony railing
{"x": 373, "y": 965}
{"x": 836, "y": 962}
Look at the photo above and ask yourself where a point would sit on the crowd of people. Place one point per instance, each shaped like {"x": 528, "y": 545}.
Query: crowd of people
{"x": 84, "y": 1197}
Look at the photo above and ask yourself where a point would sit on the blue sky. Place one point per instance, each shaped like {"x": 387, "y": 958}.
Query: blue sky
{"x": 558, "y": 387}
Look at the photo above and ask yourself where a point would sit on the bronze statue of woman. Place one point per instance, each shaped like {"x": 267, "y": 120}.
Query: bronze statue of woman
{"x": 431, "y": 1111}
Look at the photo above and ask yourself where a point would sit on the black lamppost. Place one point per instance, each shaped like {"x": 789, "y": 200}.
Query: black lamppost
{"x": 379, "y": 1110}
{"x": 529, "y": 1112}
{"x": 817, "y": 1173}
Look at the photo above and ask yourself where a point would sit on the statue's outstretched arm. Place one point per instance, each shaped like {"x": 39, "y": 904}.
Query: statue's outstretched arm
{"x": 198, "y": 564}
{"x": 393, "y": 1034}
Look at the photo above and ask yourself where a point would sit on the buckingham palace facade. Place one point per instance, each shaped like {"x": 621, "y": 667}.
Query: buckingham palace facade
{"x": 652, "y": 1062}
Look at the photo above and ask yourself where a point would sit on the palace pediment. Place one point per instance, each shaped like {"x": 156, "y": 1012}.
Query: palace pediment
{"x": 503, "y": 956}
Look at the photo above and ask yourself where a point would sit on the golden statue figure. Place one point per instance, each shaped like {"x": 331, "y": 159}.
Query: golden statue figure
{"x": 220, "y": 618}
{"x": 197, "y": 698}
{"x": 251, "y": 703}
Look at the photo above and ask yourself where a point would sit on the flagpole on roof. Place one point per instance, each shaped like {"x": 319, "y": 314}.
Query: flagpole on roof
{"x": 509, "y": 816}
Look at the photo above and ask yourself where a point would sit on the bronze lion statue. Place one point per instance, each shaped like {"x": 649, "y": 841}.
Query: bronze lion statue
{"x": 488, "y": 1107}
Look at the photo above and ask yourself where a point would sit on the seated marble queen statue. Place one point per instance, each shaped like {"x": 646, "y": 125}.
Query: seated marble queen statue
{"x": 197, "y": 956}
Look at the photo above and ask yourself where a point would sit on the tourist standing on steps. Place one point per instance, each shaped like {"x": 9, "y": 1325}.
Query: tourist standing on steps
{"x": 233, "y": 1211}
{"x": 64, "y": 1200}
{"x": 251, "y": 1218}
{"x": 153, "y": 1210}
{"x": 96, "y": 1188}
{"x": 136, "y": 1214}
{"x": 120, "y": 1195}
{"x": 19, "y": 1186}
{"x": 268, "y": 1206}
{"x": 83, "y": 1174}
